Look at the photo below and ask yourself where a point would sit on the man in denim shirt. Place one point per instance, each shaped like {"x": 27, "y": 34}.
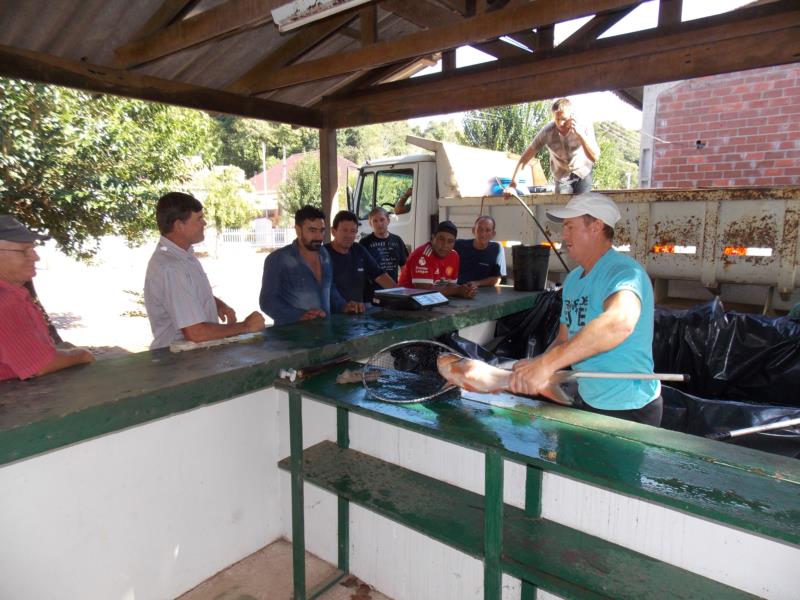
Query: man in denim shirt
{"x": 297, "y": 281}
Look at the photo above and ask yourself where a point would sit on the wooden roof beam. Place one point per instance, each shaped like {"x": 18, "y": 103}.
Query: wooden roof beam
{"x": 43, "y": 68}
{"x": 295, "y": 46}
{"x": 743, "y": 39}
{"x": 163, "y": 16}
{"x": 594, "y": 28}
{"x": 483, "y": 27}
{"x": 221, "y": 20}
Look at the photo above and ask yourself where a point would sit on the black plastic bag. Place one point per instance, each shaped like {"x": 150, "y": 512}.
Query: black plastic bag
{"x": 529, "y": 333}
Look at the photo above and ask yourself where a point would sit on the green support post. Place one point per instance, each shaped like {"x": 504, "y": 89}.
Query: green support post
{"x": 533, "y": 507}
{"x": 298, "y": 522}
{"x": 343, "y": 441}
{"x": 493, "y": 525}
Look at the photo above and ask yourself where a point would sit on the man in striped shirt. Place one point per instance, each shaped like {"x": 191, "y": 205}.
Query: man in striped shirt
{"x": 435, "y": 265}
{"x": 26, "y": 349}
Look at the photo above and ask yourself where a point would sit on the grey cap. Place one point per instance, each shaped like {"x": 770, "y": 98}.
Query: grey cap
{"x": 12, "y": 230}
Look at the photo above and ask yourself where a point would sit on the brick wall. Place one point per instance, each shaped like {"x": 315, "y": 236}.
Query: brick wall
{"x": 750, "y": 125}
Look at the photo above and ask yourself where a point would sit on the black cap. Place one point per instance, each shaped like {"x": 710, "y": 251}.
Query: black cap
{"x": 12, "y": 230}
{"x": 447, "y": 227}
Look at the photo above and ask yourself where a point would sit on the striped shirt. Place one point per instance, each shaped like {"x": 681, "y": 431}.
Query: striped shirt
{"x": 424, "y": 267}
{"x": 25, "y": 344}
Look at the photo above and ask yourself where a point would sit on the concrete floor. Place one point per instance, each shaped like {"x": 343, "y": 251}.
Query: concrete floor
{"x": 267, "y": 575}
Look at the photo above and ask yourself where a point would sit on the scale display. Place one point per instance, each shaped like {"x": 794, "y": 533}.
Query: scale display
{"x": 408, "y": 298}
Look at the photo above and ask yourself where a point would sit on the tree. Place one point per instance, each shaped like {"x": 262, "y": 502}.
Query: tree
{"x": 373, "y": 141}
{"x": 80, "y": 166}
{"x": 443, "y": 131}
{"x": 508, "y": 128}
{"x": 619, "y": 157}
{"x": 222, "y": 191}
{"x": 243, "y": 141}
{"x": 302, "y": 186}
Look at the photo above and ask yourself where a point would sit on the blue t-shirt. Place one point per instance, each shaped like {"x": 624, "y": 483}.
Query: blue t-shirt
{"x": 479, "y": 264}
{"x": 352, "y": 271}
{"x": 583, "y": 299}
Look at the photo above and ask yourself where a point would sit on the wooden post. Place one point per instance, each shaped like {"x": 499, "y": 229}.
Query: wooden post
{"x": 328, "y": 173}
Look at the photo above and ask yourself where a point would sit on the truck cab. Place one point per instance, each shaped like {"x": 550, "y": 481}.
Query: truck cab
{"x": 382, "y": 182}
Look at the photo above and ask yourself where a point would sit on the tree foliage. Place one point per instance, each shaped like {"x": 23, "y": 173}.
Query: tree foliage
{"x": 373, "y": 141}
{"x": 508, "y": 128}
{"x": 443, "y": 131}
{"x": 618, "y": 166}
{"x": 222, "y": 193}
{"x": 302, "y": 186}
{"x": 80, "y": 166}
{"x": 244, "y": 140}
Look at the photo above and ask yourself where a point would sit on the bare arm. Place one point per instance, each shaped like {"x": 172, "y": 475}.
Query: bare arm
{"x": 66, "y": 358}
{"x": 609, "y": 330}
{"x": 385, "y": 281}
{"x": 203, "y": 332}
{"x": 225, "y": 313}
{"x": 526, "y": 157}
{"x": 486, "y": 281}
{"x": 588, "y": 142}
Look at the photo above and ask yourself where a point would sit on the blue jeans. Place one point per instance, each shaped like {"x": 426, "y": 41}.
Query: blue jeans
{"x": 574, "y": 184}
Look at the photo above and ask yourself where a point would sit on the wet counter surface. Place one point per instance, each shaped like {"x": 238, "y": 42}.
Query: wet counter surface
{"x": 84, "y": 402}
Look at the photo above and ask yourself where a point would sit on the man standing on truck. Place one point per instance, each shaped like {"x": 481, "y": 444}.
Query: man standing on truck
{"x": 435, "y": 265}
{"x": 353, "y": 265}
{"x": 482, "y": 261}
{"x": 297, "y": 284}
{"x": 573, "y": 150}
{"x": 26, "y": 348}
{"x": 606, "y": 319}
{"x": 388, "y": 249}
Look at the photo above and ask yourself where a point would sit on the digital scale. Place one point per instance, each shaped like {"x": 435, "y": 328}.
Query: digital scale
{"x": 408, "y": 299}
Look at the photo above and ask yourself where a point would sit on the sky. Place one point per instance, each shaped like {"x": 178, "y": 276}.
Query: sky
{"x": 598, "y": 106}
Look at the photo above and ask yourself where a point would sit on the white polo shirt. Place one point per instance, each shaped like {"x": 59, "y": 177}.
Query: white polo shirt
{"x": 177, "y": 293}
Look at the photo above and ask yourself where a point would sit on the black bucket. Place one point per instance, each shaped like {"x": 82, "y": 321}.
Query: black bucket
{"x": 530, "y": 267}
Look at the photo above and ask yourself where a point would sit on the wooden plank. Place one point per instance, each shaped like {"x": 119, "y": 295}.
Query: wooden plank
{"x": 743, "y": 488}
{"x": 293, "y": 48}
{"x": 669, "y": 12}
{"x": 368, "y": 16}
{"x": 33, "y": 66}
{"x": 329, "y": 174}
{"x": 762, "y": 36}
{"x": 595, "y": 27}
{"x": 471, "y": 30}
{"x": 223, "y": 19}
{"x": 163, "y": 16}
{"x": 533, "y": 548}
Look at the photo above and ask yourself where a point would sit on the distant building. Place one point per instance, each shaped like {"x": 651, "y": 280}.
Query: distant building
{"x": 737, "y": 129}
{"x": 266, "y": 183}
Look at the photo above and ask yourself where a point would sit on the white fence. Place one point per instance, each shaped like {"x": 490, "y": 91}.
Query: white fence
{"x": 263, "y": 237}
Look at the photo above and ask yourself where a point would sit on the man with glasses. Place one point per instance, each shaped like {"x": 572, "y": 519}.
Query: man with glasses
{"x": 26, "y": 349}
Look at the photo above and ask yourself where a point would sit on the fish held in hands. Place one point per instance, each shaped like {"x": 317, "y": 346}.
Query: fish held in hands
{"x": 472, "y": 375}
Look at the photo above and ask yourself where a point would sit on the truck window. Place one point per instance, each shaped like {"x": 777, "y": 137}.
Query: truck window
{"x": 366, "y": 196}
{"x": 391, "y": 187}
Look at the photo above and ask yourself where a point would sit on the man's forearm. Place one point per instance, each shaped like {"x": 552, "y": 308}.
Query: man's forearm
{"x": 204, "y": 332}
{"x": 66, "y": 358}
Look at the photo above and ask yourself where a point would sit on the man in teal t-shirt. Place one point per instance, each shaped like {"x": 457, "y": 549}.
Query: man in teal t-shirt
{"x": 606, "y": 319}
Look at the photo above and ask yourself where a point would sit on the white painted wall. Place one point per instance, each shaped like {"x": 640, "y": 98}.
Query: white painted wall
{"x": 148, "y": 512}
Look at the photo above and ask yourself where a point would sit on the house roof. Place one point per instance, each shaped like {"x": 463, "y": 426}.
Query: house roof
{"x": 355, "y": 67}
{"x": 276, "y": 173}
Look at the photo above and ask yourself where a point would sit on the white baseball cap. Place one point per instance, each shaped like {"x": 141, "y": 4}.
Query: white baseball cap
{"x": 593, "y": 204}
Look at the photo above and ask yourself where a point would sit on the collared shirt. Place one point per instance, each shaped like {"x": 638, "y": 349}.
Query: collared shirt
{"x": 289, "y": 287}
{"x": 177, "y": 293}
{"x": 424, "y": 267}
{"x": 566, "y": 151}
{"x": 25, "y": 343}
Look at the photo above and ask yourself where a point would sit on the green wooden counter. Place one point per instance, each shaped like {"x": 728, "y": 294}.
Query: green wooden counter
{"x": 84, "y": 402}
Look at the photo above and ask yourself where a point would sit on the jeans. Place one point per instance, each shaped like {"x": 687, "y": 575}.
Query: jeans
{"x": 574, "y": 184}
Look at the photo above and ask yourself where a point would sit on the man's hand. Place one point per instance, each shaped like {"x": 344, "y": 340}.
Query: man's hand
{"x": 531, "y": 377}
{"x": 254, "y": 322}
{"x": 225, "y": 313}
{"x": 313, "y": 313}
{"x": 354, "y": 307}
{"x": 467, "y": 290}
